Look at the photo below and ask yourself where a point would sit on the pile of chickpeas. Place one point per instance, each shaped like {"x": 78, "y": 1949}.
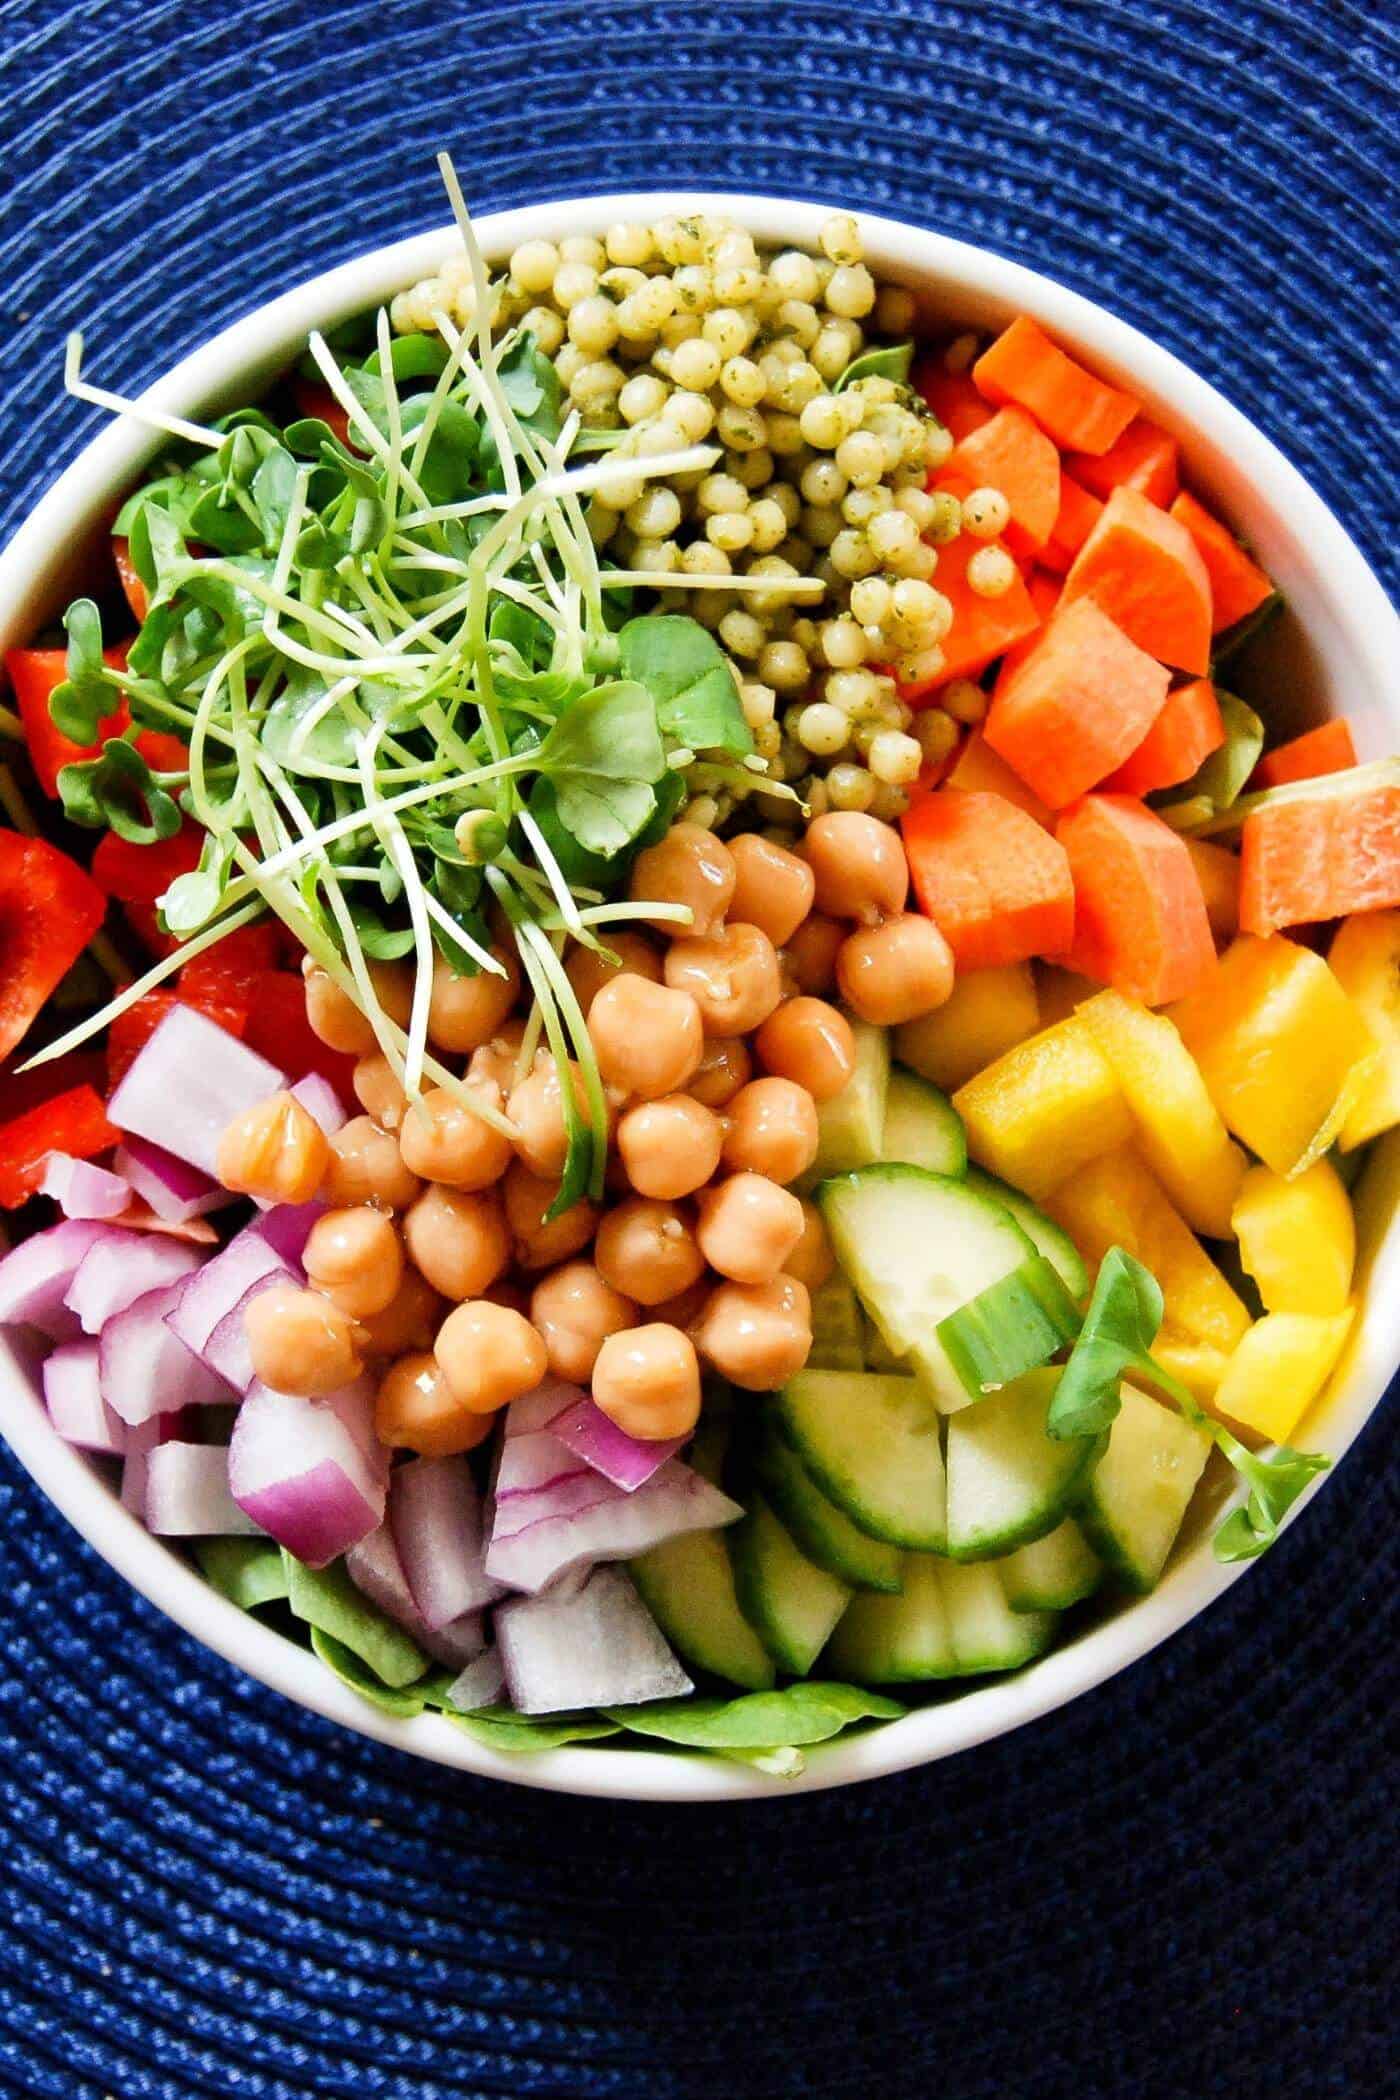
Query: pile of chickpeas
{"x": 436, "y": 1265}
{"x": 683, "y": 332}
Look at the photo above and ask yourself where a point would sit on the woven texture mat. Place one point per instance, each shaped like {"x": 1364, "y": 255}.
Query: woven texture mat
{"x": 1181, "y": 1885}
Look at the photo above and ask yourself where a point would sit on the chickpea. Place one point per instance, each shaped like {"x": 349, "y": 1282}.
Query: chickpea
{"x": 408, "y": 1321}
{"x": 809, "y": 959}
{"x": 648, "y": 1251}
{"x": 689, "y": 866}
{"x": 365, "y": 1167}
{"x": 895, "y": 972}
{"x": 732, "y": 976}
{"x": 489, "y": 1356}
{"x": 647, "y": 1380}
{"x": 493, "y": 1063}
{"x": 276, "y": 1150}
{"x": 772, "y": 1130}
{"x": 458, "y": 1238}
{"x": 748, "y": 1227}
{"x": 334, "y": 1017}
{"x": 442, "y": 1140}
{"x": 811, "y": 1260}
{"x": 774, "y": 888}
{"x": 725, "y": 1067}
{"x": 539, "y": 1244}
{"x": 574, "y": 1312}
{"x": 416, "y": 1411}
{"x": 354, "y": 1258}
{"x": 686, "y": 1307}
{"x": 858, "y": 863}
{"x": 299, "y": 1342}
{"x": 379, "y": 1092}
{"x": 811, "y": 1043}
{"x": 757, "y": 1335}
{"x": 465, "y": 1012}
{"x": 536, "y": 1108}
{"x": 648, "y": 1037}
{"x": 670, "y": 1147}
{"x": 588, "y": 971}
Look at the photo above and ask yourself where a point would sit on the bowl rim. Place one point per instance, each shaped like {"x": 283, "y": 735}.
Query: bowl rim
{"x": 235, "y": 361}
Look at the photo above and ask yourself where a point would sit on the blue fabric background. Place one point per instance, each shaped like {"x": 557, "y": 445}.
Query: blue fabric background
{"x": 1184, "y": 1884}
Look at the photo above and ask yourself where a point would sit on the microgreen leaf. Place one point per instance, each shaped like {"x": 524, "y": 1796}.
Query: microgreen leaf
{"x": 892, "y": 361}
{"x": 192, "y": 899}
{"x": 118, "y": 791}
{"x": 83, "y": 623}
{"x": 603, "y": 756}
{"x": 1275, "y": 1481}
{"x": 1119, "y": 1329}
{"x": 683, "y": 668}
{"x": 411, "y": 357}
{"x": 759, "y": 1721}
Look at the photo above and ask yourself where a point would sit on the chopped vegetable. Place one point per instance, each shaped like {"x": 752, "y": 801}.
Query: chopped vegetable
{"x": 187, "y": 1084}
{"x": 1044, "y": 1108}
{"x": 1144, "y": 458}
{"x": 1327, "y": 749}
{"x": 988, "y": 1012}
{"x": 1079, "y": 411}
{"x": 1010, "y": 453}
{"x": 49, "y": 911}
{"x": 1322, "y": 850}
{"x": 1297, "y": 1238}
{"x": 978, "y": 770}
{"x": 302, "y": 1475}
{"x": 1139, "y": 917}
{"x": 982, "y": 628}
{"x": 1237, "y": 586}
{"x": 1074, "y": 521}
{"x": 1218, "y": 872}
{"x": 1083, "y": 697}
{"x": 1279, "y": 1369}
{"x": 74, "y": 1124}
{"x": 952, "y": 396}
{"x": 1179, "y": 742}
{"x": 1141, "y": 567}
{"x": 596, "y": 1645}
{"x": 997, "y": 886}
{"x": 1365, "y": 960}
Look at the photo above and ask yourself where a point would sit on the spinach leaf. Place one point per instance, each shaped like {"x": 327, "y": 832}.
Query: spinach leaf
{"x": 1119, "y": 1329}
{"x": 1219, "y": 782}
{"x": 683, "y": 668}
{"x": 249, "y": 1572}
{"x": 1275, "y": 1482}
{"x": 758, "y": 1721}
{"x": 118, "y": 791}
{"x": 602, "y": 757}
{"x": 404, "y": 1702}
{"x": 500, "y": 1729}
{"x": 890, "y": 361}
{"x": 326, "y": 1598}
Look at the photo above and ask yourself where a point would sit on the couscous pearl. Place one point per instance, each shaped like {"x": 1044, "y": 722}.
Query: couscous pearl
{"x": 895, "y": 758}
{"x": 991, "y": 572}
{"x": 985, "y": 513}
{"x": 534, "y": 264}
{"x": 964, "y": 700}
{"x": 822, "y": 729}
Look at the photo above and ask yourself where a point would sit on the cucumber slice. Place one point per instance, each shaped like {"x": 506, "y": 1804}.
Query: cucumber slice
{"x": 986, "y": 1633}
{"x": 825, "y": 1533}
{"x": 871, "y": 1444}
{"x": 917, "y": 1246}
{"x": 922, "y": 1127}
{"x": 1052, "y": 1574}
{"x": 1137, "y": 1495}
{"x": 688, "y": 1587}
{"x": 851, "y": 1125}
{"x": 896, "y": 1640}
{"x": 1050, "y": 1239}
{"x": 791, "y": 1604}
{"x": 1010, "y": 1328}
{"x": 838, "y": 1330}
{"x": 1008, "y": 1482}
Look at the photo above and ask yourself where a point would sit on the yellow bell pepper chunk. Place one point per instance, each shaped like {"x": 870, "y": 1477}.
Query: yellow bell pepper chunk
{"x": 1061, "y": 991}
{"x": 1199, "y": 1367}
{"x": 1282, "y": 1049}
{"x": 1179, "y": 1129}
{"x": 1297, "y": 1238}
{"x": 988, "y": 1013}
{"x": 1278, "y": 1371}
{"x": 1365, "y": 960}
{"x": 1044, "y": 1108}
{"x": 1115, "y": 1201}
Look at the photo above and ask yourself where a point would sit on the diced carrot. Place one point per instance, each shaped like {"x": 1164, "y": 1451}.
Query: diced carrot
{"x": 1185, "y": 733}
{"x": 994, "y": 883}
{"x": 952, "y": 397}
{"x": 1075, "y": 520}
{"x": 982, "y": 628}
{"x": 978, "y": 770}
{"x": 133, "y": 589}
{"x": 1327, "y": 749}
{"x": 1082, "y": 699}
{"x": 1139, "y": 917}
{"x": 1080, "y": 412}
{"x": 1046, "y": 590}
{"x": 1238, "y": 586}
{"x": 1013, "y": 454}
{"x": 1144, "y": 458}
{"x": 1218, "y": 872}
{"x": 1142, "y": 567}
{"x": 1323, "y": 855}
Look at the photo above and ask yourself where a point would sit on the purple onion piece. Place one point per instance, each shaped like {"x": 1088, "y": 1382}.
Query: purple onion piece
{"x": 145, "y": 1369}
{"x": 188, "y": 1496}
{"x": 480, "y": 1684}
{"x": 673, "y": 1502}
{"x": 627, "y": 1461}
{"x": 186, "y": 1085}
{"x": 82, "y": 1190}
{"x": 118, "y": 1270}
{"x": 75, "y": 1404}
{"x": 435, "y": 1512}
{"x": 593, "y": 1646}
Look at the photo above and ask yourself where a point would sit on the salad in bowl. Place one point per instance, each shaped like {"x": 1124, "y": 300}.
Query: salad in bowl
{"x": 679, "y": 1070}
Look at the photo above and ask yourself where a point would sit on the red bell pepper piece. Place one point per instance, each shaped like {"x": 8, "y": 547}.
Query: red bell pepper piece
{"x": 21, "y": 1091}
{"x": 140, "y": 874}
{"x": 235, "y": 968}
{"x": 130, "y": 1031}
{"x": 49, "y": 911}
{"x": 313, "y": 399}
{"x": 133, "y": 589}
{"x": 34, "y": 673}
{"x": 279, "y": 1030}
{"x": 75, "y": 1122}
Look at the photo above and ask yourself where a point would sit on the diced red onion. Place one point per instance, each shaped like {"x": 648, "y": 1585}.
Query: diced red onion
{"x": 435, "y": 1513}
{"x": 187, "y": 1493}
{"x": 118, "y": 1270}
{"x": 457, "y": 1643}
{"x": 36, "y": 1277}
{"x": 287, "y": 1226}
{"x": 480, "y": 1684}
{"x": 674, "y": 1501}
{"x": 140, "y": 1443}
{"x": 535, "y": 1460}
{"x": 74, "y": 1400}
{"x": 375, "y": 1568}
{"x": 144, "y": 1367}
{"x": 595, "y": 1646}
{"x": 321, "y": 1102}
{"x": 174, "y": 1189}
{"x": 627, "y": 1461}
{"x": 187, "y": 1083}
{"x": 81, "y": 1189}
{"x": 566, "y": 1495}
{"x": 297, "y": 1471}
{"x": 207, "y": 1316}
{"x": 537, "y": 1410}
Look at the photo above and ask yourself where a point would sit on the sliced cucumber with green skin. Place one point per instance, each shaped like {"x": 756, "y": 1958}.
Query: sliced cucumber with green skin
{"x": 838, "y": 1329}
{"x": 1008, "y": 1481}
{"x": 851, "y": 1125}
{"x": 1057, "y": 1571}
{"x": 896, "y": 1640}
{"x": 922, "y": 1127}
{"x": 688, "y": 1587}
{"x": 1011, "y": 1327}
{"x": 1135, "y": 1498}
{"x": 825, "y": 1533}
{"x": 791, "y": 1604}
{"x": 871, "y": 1443}
{"x": 1050, "y": 1239}
{"x": 917, "y": 1246}
{"x": 986, "y": 1633}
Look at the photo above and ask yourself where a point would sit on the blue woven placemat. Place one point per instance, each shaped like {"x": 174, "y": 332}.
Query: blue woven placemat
{"x": 1183, "y": 1884}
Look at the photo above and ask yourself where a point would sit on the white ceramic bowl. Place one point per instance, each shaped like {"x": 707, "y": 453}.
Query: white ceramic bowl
{"x": 1337, "y": 651}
